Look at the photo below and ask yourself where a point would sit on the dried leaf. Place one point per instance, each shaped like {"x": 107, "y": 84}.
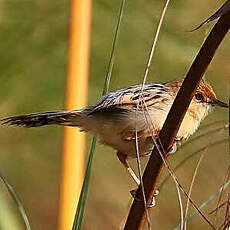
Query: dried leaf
{"x": 225, "y": 8}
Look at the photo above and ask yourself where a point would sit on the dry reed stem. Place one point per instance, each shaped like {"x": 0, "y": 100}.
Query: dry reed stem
{"x": 190, "y": 189}
{"x": 171, "y": 172}
{"x": 216, "y": 211}
{"x": 149, "y": 62}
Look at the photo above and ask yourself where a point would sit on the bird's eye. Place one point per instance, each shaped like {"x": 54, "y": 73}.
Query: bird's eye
{"x": 199, "y": 96}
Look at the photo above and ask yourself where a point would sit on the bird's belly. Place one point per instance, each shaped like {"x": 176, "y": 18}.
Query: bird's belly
{"x": 120, "y": 134}
{"x": 128, "y": 147}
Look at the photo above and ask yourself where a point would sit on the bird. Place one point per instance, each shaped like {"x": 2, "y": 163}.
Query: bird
{"x": 130, "y": 115}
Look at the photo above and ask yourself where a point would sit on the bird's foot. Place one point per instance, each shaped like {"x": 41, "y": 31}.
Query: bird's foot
{"x": 153, "y": 202}
{"x": 173, "y": 148}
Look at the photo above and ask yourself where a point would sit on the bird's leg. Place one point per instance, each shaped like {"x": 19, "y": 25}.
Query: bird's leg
{"x": 123, "y": 159}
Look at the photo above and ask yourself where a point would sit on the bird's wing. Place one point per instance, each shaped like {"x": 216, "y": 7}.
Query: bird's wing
{"x": 120, "y": 107}
{"x": 149, "y": 95}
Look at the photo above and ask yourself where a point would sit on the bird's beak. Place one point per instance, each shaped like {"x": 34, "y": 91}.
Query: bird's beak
{"x": 217, "y": 102}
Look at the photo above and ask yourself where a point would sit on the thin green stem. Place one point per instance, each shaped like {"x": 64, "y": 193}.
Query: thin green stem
{"x": 17, "y": 201}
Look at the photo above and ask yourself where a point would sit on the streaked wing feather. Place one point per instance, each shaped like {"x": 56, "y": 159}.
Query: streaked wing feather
{"x": 128, "y": 98}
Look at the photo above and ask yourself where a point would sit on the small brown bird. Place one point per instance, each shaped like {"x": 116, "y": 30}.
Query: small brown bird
{"x": 121, "y": 115}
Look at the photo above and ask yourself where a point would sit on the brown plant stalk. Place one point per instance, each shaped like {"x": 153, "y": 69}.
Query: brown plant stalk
{"x": 153, "y": 170}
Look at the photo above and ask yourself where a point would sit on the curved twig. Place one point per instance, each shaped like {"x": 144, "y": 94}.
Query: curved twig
{"x": 137, "y": 216}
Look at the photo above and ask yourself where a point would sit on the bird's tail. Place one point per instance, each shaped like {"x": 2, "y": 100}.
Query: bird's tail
{"x": 65, "y": 117}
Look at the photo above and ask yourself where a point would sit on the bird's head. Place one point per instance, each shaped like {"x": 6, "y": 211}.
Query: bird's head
{"x": 204, "y": 99}
{"x": 205, "y": 95}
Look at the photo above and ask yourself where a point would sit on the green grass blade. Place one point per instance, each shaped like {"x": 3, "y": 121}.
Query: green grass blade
{"x": 82, "y": 201}
{"x": 17, "y": 201}
{"x": 189, "y": 218}
{"x": 112, "y": 54}
{"x": 84, "y": 192}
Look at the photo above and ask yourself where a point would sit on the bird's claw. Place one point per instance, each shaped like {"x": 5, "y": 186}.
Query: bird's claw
{"x": 173, "y": 148}
{"x": 153, "y": 202}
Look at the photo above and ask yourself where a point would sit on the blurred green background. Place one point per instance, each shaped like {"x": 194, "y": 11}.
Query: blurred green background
{"x": 33, "y": 60}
